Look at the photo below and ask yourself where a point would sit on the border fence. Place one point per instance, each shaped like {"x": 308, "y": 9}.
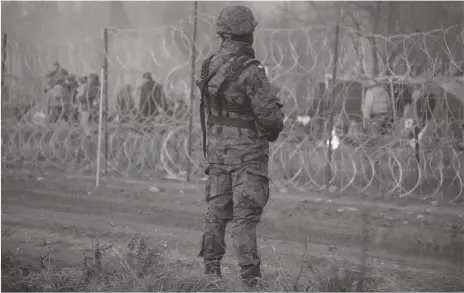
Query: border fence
{"x": 321, "y": 75}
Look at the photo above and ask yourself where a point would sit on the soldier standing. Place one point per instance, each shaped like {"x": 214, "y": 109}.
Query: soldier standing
{"x": 243, "y": 117}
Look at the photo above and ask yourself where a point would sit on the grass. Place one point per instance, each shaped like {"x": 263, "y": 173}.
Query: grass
{"x": 138, "y": 267}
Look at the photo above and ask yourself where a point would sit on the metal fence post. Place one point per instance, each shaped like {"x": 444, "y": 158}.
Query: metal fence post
{"x": 329, "y": 106}
{"x": 4, "y": 40}
{"x": 105, "y": 95}
{"x": 192, "y": 88}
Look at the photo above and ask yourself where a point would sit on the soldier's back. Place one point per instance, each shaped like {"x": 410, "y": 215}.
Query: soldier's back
{"x": 229, "y": 144}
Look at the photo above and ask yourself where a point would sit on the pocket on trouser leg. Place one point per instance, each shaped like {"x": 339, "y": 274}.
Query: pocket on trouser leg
{"x": 212, "y": 246}
{"x": 245, "y": 245}
{"x": 252, "y": 190}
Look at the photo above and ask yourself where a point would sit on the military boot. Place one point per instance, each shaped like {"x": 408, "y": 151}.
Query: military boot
{"x": 251, "y": 277}
{"x": 213, "y": 268}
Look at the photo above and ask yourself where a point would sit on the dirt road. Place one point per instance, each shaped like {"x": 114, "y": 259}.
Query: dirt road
{"x": 68, "y": 212}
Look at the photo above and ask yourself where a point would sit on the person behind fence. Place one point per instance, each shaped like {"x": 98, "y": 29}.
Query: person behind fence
{"x": 72, "y": 84}
{"x": 376, "y": 106}
{"x": 152, "y": 100}
{"x": 56, "y": 75}
{"x": 81, "y": 96}
{"x": 87, "y": 94}
{"x": 243, "y": 117}
{"x": 125, "y": 107}
{"x": 59, "y": 99}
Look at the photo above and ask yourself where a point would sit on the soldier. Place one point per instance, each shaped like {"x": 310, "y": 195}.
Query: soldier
{"x": 243, "y": 117}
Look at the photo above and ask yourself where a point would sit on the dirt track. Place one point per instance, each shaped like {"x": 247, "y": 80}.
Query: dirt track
{"x": 69, "y": 213}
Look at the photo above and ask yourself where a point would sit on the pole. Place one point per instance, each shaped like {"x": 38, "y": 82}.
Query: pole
{"x": 192, "y": 87}
{"x": 329, "y": 107}
{"x": 100, "y": 124}
{"x": 3, "y": 56}
{"x": 105, "y": 94}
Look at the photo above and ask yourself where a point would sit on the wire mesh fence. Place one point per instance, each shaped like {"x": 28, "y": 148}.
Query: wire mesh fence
{"x": 417, "y": 151}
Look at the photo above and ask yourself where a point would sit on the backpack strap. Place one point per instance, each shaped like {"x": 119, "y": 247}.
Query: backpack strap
{"x": 203, "y": 85}
{"x": 232, "y": 73}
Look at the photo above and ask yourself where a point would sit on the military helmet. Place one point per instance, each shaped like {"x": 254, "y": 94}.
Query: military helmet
{"x": 236, "y": 20}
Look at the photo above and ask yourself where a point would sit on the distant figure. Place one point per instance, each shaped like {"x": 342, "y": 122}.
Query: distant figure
{"x": 57, "y": 75}
{"x": 87, "y": 94}
{"x": 125, "y": 107}
{"x": 152, "y": 100}
{"x": 58, "y": 96}
{"x": 375, "y": 107}
{"x": 402, "y": 98}
{"x": 81, "y": 96}
{"x": 93, "y": 92}
{"x": 72, "y": 84}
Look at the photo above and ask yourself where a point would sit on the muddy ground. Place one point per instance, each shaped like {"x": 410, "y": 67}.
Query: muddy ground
{"x": 413, "y": 245}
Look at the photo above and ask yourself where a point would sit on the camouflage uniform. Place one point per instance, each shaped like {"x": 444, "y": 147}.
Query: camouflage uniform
{"x": 243, "y": 116}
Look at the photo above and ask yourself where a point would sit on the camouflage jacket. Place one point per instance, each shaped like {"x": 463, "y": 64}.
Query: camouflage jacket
{"x": 254, "y": 100}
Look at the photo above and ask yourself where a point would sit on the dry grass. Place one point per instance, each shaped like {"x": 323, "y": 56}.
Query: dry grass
{"x": 141, "y": 268}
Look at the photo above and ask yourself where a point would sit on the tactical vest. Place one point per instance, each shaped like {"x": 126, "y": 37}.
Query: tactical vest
{"x": 218, "y": 102}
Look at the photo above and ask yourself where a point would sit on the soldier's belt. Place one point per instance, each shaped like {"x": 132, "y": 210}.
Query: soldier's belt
{"x": 234, "y": 122}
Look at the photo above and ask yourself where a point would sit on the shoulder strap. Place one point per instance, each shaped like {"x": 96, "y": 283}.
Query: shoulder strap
{"x": 203, "y": 85}
{"x": 232, "y": 73}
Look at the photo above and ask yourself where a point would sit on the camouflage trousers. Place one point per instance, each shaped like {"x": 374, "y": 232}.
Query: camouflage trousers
{"x": 235, "y": 194}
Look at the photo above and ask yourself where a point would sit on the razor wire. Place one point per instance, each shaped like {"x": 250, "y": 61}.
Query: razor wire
{"x": 299, "y": 65}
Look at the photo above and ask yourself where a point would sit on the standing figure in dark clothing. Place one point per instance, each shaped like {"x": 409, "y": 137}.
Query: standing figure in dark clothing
{"x": 125, "y": 107}
{"x": 59, "y": 101}
{"x": 56, "y": 76}
{"x": 152, "y": 100}
{"x": 243, "y": 117}
{"x": 88, "y": 93}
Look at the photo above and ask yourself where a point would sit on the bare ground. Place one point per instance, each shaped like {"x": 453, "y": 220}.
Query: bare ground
{"x": 417, "y": 247}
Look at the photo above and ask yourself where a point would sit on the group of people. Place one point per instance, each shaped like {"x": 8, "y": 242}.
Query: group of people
{"x": 70, "y": 97}
{"x": 75, "y": 98}
{"x": 152, "y": 100}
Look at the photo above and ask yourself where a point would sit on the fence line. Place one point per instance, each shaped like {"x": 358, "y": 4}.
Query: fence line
{"x": 299, "y": 62}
